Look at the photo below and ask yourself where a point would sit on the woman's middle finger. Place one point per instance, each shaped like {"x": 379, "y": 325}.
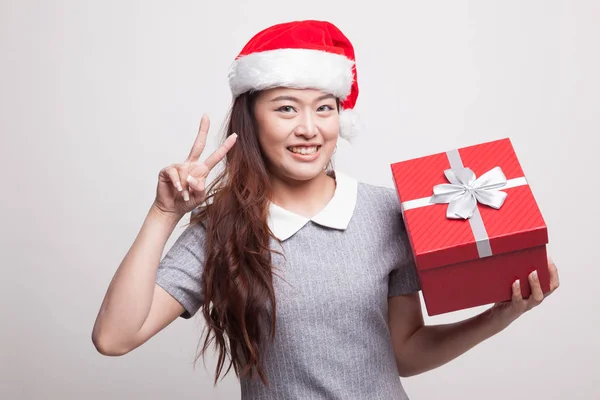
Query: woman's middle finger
{"x": 536, "y": 289}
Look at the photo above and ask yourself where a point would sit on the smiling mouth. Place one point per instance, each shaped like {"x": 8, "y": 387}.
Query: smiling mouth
{"x": 304, "y": 150}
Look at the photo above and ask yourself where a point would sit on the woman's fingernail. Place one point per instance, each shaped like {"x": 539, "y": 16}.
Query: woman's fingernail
{"x": 534, "y": 275}
{"x": 186, "y": 195}
{"x": 178, "y": 184}
{"x": 192, "y": 180}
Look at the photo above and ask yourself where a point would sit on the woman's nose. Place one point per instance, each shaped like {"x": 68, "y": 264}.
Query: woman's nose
{"x": 307, "y": 126}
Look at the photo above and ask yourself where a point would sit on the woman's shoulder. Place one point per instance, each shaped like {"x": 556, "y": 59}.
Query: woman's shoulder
{"x": 377, "y": 203}
{"x": 378, "y": 206}
{"x": 377, "y": 196}
{"x": 197, "y": 223}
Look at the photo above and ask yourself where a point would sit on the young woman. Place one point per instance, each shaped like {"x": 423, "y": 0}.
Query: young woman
{"x": 303, "y": 275}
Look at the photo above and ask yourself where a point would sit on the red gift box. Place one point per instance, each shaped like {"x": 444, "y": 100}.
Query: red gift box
{"x": 478, "y": 231}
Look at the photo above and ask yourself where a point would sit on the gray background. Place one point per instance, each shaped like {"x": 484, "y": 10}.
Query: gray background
{"x": 96, "y": 97}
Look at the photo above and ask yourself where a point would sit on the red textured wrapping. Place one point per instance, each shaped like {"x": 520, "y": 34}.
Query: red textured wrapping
{"x": 453, "y": 276}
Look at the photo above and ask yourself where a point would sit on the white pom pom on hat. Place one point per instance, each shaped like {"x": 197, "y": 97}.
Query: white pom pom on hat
{"x": 301, "y": 55}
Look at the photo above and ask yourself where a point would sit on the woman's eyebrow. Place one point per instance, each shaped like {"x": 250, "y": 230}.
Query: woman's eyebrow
{"x": 295, "y": 99}
{"x": 327, "y": 96}
{"x": 288, "y": 98}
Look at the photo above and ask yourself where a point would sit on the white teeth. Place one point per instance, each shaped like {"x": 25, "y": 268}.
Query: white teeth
{"x": 304, "y": 150}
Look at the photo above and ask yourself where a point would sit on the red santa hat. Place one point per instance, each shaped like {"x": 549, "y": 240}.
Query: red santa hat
{"x": 301, "y": 54}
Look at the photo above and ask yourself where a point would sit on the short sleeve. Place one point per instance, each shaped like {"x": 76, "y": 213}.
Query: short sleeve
{"x": 404, "y": 278}
{"x": 180, "y": 270}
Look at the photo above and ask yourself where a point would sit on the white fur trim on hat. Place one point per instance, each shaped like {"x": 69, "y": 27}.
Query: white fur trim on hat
{"x": 350, "y": 125}
{"x": 293, "y": 68}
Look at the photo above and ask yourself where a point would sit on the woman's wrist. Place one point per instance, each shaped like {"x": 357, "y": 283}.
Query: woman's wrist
{"x": 498, "y": 318}
{"x": 155, "y": 213}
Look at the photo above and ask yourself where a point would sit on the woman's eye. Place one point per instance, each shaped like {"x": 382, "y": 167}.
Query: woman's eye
{"x": 325, "y": 108}
{"x": 286, "y": 109}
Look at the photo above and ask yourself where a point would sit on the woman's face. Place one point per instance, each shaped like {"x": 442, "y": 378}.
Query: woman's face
{"x": 297, "y": 131}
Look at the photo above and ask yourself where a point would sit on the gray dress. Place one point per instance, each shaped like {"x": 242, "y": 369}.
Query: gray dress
{"x": 332, "y": 339}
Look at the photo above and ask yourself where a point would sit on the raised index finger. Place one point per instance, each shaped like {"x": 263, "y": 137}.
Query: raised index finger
{"x": 200, "y": 141}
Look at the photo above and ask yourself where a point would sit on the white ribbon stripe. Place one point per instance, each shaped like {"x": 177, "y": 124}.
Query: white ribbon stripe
{"x": 464, "y": 192}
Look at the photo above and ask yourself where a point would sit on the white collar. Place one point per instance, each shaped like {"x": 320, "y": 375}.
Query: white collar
{"x": 336, "y": 214}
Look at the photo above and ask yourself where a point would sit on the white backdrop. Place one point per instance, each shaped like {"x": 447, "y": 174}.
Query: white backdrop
{"x": 97, "y": 96}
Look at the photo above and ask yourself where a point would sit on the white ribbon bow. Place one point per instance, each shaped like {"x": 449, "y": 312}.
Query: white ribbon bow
{"x": 464, "y": 191}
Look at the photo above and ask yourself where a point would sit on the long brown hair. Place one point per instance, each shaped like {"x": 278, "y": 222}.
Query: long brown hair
{"x": 237, "y": 281}
{"x": 237, "y": 277}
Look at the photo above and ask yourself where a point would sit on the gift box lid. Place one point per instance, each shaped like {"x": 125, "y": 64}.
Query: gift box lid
{"x": 482, "y": 204}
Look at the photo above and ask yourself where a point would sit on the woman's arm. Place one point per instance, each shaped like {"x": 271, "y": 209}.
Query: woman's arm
{"x": 420, "y": 348}
{"x": 134, "y": 307}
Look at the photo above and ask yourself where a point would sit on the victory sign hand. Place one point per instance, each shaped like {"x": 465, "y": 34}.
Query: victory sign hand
{"x": 181, "y": 187}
